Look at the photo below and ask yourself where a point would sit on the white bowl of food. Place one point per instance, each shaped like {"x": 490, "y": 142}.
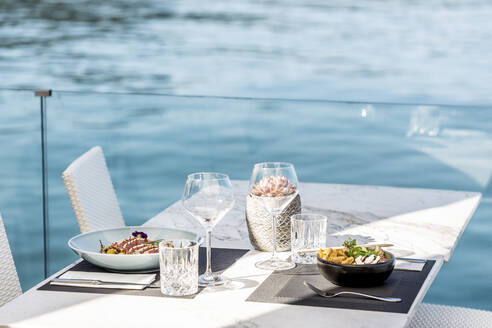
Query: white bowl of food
{"x": 132, "y": 248}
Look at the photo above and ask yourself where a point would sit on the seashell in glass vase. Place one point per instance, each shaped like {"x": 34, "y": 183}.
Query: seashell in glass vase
{"x": 259, "y": 223}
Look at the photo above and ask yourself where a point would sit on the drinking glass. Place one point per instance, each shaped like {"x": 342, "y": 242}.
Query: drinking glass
{"x": 275, "y": 183}
{"x": 208, "y": 197}
{"x": 179, "y": 267}
{"x": 307, "y": 232}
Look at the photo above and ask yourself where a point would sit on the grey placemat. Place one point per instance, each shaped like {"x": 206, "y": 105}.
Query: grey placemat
{"x": 287, "y": 287}
{"x": 222, "y": 258}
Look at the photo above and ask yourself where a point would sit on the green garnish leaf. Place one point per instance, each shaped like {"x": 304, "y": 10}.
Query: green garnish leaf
{"x": 350, "y": 243}
{"x": 355, "y": 251}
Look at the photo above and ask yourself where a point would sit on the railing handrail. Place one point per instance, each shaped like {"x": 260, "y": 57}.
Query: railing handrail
{"x": 251, "y": 98}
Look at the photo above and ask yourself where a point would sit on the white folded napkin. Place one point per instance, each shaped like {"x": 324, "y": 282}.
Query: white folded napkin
{"x": 114, "y": 280}
{"x": 409, "y": 265}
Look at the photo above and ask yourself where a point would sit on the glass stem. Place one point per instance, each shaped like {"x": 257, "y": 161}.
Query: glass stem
{"x": 208, "y": 240}
{"x": 274, "y": 230}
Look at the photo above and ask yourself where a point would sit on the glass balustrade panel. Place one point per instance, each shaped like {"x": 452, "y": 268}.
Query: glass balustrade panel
{"x": 152, "y": 142}
{"x": 20, "y": 181}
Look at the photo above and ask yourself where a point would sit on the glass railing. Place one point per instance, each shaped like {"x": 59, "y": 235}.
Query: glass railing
{"x": 152, "y": 141}
{"x": 21, "y": 194}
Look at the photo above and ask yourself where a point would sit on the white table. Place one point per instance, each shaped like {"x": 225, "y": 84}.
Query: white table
{"x": 420, "y": 222}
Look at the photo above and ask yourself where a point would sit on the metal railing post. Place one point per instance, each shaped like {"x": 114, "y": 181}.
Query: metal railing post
{"x": 42, "y": 94}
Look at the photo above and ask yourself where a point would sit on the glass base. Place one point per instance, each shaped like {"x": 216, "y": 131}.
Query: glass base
{"x": 274, "y": 264}
{"x": 211, "y": 280}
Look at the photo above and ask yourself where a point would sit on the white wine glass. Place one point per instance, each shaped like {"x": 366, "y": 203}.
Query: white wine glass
{"x": 276, "y": 185}
{"x": 208, "y": 197}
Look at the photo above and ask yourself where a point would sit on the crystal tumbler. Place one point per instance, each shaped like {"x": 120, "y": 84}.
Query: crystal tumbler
{"x": 179, "y": 267}
{"x": 308, "y": 231}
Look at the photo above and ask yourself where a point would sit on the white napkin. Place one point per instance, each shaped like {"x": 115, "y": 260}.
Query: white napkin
{"x": 123, "y": 281}
{"x": 409, "y": 265}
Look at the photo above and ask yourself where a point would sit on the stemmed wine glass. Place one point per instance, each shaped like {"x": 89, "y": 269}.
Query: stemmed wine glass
{"x": 208, "y": 197}
{"x": 275, "y": 183}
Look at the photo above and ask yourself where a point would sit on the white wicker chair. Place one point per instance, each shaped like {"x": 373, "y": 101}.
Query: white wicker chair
{"x": 91, "y": 192}
{"x": 9, "y": 281}
{"x": 437, "y": 316}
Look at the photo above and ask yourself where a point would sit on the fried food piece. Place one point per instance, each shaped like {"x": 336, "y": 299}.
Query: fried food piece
{"x": 336, "y": 255}
{"x": 333, "y": 255}
{"x": 348, "y": 260}
{"x": 332, "y": 259}
{"x": 336, "y": 259}
{"x": 325, "y": 253}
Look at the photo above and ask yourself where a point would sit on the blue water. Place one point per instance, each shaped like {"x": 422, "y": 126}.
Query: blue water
{"x": 399, "y": 51}
{"x": 419, "y": 51}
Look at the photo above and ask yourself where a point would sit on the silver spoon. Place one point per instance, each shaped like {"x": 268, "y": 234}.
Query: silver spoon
{"x": 328, "y": 295}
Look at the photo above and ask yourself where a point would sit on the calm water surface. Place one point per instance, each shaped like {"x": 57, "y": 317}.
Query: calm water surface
{"x": 404, "y": 51}
{"x": 419, "y": 51}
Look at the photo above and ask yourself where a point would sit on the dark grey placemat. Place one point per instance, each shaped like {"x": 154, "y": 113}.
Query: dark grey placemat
{"x": 287, "y": 287}
{"x": 222, "y": 258}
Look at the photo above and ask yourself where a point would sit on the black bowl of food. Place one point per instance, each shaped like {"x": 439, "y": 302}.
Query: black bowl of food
{"x": 355, "y": 266}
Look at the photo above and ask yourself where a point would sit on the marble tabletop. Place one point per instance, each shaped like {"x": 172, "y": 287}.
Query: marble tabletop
{"x": 420, "y": 222}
